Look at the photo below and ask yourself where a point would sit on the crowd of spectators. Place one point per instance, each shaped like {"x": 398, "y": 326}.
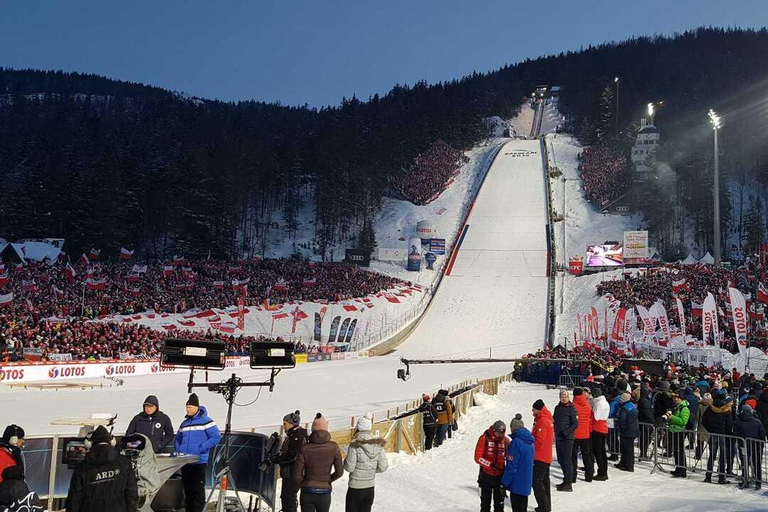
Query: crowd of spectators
{"x": 430, "y": 173}
{"x": 691, "y": 283}
{"x": 605, "y": 173}
{"x": 52, "y": 309}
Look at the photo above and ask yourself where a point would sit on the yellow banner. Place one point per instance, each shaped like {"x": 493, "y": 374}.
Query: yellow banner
{"x": 301, "y": 358}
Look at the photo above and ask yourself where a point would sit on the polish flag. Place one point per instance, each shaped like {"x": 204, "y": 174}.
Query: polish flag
{"x": 94, "y": 254}
{"x": 69, "y": 271}
{"x": 95, "y": 284}
{"x": 3, "y": 281}
{"x": 5, "y": 300}
{"x": 59, "y": 293}
{"x": 762, "y": 293}
{"x": 125, "y": 254}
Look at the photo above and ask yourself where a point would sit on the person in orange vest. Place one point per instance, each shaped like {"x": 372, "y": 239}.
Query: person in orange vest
{"x": 582, "y": 436}
{"x": 490, "y": 455}
{"x": 543, "y": 437}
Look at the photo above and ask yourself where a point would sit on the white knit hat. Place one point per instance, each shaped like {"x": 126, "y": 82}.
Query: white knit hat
{"x": 365, "y": 423}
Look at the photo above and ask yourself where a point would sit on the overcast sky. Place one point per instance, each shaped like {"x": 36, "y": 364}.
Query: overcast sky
{"x": 318, "y": 51}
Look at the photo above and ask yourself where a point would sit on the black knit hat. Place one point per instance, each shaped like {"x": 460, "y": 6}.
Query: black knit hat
{"x": 538, "y": 404}
{"x": 578, "y": 392}
{"x": 100, "y": 435}
{"x": 193, "y": 400}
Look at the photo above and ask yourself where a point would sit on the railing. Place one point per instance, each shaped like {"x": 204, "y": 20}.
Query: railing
{"x": 570, "y": 381}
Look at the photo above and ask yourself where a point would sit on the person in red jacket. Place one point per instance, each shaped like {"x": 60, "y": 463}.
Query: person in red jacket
{"x": 582, "y": 436}
{"x": 490, "y": 455}
{"x": 543, "y": 438}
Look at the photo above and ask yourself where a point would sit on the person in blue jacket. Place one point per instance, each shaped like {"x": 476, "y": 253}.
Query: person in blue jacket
{"x": 629, "y": 429}
{"x": 197, "y": 435}
{"x": 518, "y": 471}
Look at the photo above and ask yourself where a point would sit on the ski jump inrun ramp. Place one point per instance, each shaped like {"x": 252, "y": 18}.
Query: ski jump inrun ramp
{"x": 493, "y": 297}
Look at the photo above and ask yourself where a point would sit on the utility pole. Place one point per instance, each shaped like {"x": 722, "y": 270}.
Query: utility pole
{"x": 616, "y": 80}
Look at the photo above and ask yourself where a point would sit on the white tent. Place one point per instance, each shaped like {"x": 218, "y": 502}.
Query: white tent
{"x": 707, "y": 259}
{"x": 37, "y": 251}
{"x": 690, "y": 260}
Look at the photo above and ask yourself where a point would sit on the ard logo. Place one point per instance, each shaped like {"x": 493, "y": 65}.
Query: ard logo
{"x": 107, "y": 475}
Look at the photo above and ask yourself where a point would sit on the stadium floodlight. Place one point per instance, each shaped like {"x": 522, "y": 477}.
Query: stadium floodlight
{"x": 272, "y": 354}
{"x": 714, "y": 119}
{"x": 186, "y": 353}
{"x": 650, "y": 110}
{"x": 616, "y": 79}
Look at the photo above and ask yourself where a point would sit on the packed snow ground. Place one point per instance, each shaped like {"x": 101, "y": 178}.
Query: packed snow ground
{"x": 494, "y": 296}
{"x": 444, "y": 479}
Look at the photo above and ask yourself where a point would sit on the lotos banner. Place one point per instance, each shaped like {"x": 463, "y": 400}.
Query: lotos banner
{"x": 740, "y": 318}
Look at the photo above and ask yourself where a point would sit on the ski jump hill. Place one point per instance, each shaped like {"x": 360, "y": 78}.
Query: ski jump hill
{"x": 492, "y": 300}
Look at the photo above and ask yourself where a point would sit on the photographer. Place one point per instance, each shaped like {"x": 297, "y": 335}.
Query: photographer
{"x": 295, "y": 438}
{"x": 104, "y": 480}
{"x": 153, "y": 423}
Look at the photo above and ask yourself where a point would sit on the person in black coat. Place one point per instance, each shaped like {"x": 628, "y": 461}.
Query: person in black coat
{"x": 154, "y": 424}
{"x": 295, "y": 438}
{"x": 750, "y": 429}
{"x": 565, "y": 422}
{"x": 428, "y": 421}
{"x": 13, "y": 488}
{"x": 762, "y": 408}
{"x": 645, "y": 418}
{"x": 104, "y": 480}
{"x": 662, "y": 402}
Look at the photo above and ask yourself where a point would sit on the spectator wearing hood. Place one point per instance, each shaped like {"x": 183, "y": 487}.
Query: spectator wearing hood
{"x": 154, "y": 424}
{"x": 197, "y": 435}
{"x": 318, "y": 466}
{"x": 104, "y": 480}
{"x": 565, "y": 423}
{"x": 543, "y": 437}
{"x": 600, "y": 412}
{"x": 751, "y": 430}
{"x": 10, "y": 448}
{"x": 428, "y": 421}
{"x": 518, "y": 472}
{"x": 718, "y": 420}
{"x": 365, "y": 458}
{"x": 444, "y": 407}
{"x": 490, "y": 455}
{"x": 582, "y": 436}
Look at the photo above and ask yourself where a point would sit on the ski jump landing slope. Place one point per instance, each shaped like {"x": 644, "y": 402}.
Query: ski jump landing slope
{"x": 493, "y": 297}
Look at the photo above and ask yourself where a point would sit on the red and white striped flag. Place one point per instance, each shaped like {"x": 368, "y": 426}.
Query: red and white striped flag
{"x": 69, "y": 271}
{"x": 58, "y": 292}
{"x": 83, "y": 260}
{"x": 219, "y": 285}
{"x": 762, "y": 293}
{"x": 178, "y": 260}
{"x": 5, "y": 300}
{"x": 95, "y": 284}
{"x": 3, "y": 281}
{"x": 94, "y": 254}
{"x": 167, "y": 270}
{"x": 125, "y": 254}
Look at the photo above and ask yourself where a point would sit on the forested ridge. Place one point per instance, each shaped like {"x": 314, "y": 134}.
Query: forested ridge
{"x": 108, "y": 164}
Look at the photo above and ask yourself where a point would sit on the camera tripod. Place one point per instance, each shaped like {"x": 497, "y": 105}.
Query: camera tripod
{"x": 223, "y": 481}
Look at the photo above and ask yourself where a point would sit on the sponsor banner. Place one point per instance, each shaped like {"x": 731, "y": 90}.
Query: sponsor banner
{"x": 635, "y": 246}
{"x": 740, "y": 318}
{"x": 302, "y": 358}
{"x": 437, "y": 246}
{"x": 60, "y": 357}
{"x": 358, "y": 257}
{"x": 391, "y": 254}
{"x": 414, "y": 254}
{"x": 311, "y": 358}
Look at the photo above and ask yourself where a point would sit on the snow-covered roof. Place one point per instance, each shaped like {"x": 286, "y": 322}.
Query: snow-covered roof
{"x": 649, "y": 128}
{"x": 707, "y": 259}
{"x": 690, "y": 260}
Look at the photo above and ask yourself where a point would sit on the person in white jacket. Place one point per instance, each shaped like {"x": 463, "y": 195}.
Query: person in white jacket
{"x": 600, "y": 411}
{"x": 365, "y": 458}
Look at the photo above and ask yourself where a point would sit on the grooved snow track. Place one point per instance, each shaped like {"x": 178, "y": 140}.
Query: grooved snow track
{"x": 496, "y": 293}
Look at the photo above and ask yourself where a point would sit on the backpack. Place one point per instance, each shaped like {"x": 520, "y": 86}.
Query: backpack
{"x": 29, "y": 503}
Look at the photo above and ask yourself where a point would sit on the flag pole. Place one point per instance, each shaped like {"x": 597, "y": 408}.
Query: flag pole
{"x": 82, "y": 304}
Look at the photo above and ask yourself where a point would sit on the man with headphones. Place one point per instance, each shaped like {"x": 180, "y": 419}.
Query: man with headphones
{"x": 104, "y": 480}
{"x": 10, "y": 448}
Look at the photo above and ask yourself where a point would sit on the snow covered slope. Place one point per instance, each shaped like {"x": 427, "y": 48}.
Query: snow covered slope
{"x": 494, "y": 293}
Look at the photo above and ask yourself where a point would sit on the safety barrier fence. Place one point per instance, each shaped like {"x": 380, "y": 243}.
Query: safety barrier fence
{"x": 401, "y": 427}
{"x": 570, "y": 381}
{"x": 696, "y": 452}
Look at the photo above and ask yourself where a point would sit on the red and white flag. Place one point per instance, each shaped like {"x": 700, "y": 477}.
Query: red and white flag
{"x": 228, "y": 327}
{"x": 310, "y": 282}
{"x": 3, "y": 280}
{"x": 762, "y": 293}
{"x": 219, "y": 285}
{"x": 5, "y": 300}
{"x": 617, "y": 333}
{"x": 740, "y": 318}
{"x": 659, "y": 312}
{"x": 58, "y": 292}
{"x": 280, "y": 286}
{"x": 94, "y": 254}
{"x": 83, "y": 260}
{"x": 679, "y": 286}
{"x": 125, "y": 254}
{"x": 167, "y": 270}
{"x": 69, "y": 271}
{"x": 681, "y": 314}
{"x": 95, "y": 284}
{"x": 178, "y": 260}
{"x": 649, "y": 323}
{"x": 298, "y": 316}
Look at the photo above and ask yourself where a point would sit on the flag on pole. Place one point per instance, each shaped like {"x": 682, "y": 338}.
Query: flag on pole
{"x": 83, "y": 260}
{"x": 679, "y": 286}
{"x": 125, "y": 254}
{"x": 681, "y": 314}
{"x": 58, "y": 292}
{"x": 762, "y": 293}
{"x": 5, "y": 300}
{"x": 167, "y": 270}
{"x": 94, "y": 254}
{"x": 69, "y": 271}
{"x": 95, "y": 284}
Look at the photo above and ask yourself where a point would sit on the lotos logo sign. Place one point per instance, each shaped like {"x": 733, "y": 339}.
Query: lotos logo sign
{"x": 157, "y": 368}
{"x": 121, "y": 369}
{"x": 66, "y": 371}
{"x": 740, "y": 324}
{"x": 11, "y": 374}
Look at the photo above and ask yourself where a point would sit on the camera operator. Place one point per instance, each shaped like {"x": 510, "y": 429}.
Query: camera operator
{"x": 144, "y": 461}
{"x": 295, "y": 438}
{"x": 154, "y": 424}
{"x": 104, "y": 480}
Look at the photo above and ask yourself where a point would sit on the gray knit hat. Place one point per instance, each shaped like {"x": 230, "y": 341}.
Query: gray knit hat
{"x": 516, "y": 424}
{"x": 294, "y": 418}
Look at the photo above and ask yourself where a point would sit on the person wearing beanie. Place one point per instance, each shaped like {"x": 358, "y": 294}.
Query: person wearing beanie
{"x": 518, "y": 471}
{"x": 154, "y": 424}
{"x": 319, "y": 465}
{"x": 490, "y": 454}
{"x": 599, "y": 435}
{"x": 445, "y": 419}
{"x": 629, "y": 429}
{"x": 751, "y": 430}
{"x": 197, "y": 435}
{"x": 566, "y": 421}
{"x": 365, "y": 458}
{"x": 90, "y": 491}
{"x": 582, "y": 436}
{"x": 295, "y": 436}
{"x": 543, "y": 438}
{"x": 428, "y": 421}
{"x": 11, "y": 445}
